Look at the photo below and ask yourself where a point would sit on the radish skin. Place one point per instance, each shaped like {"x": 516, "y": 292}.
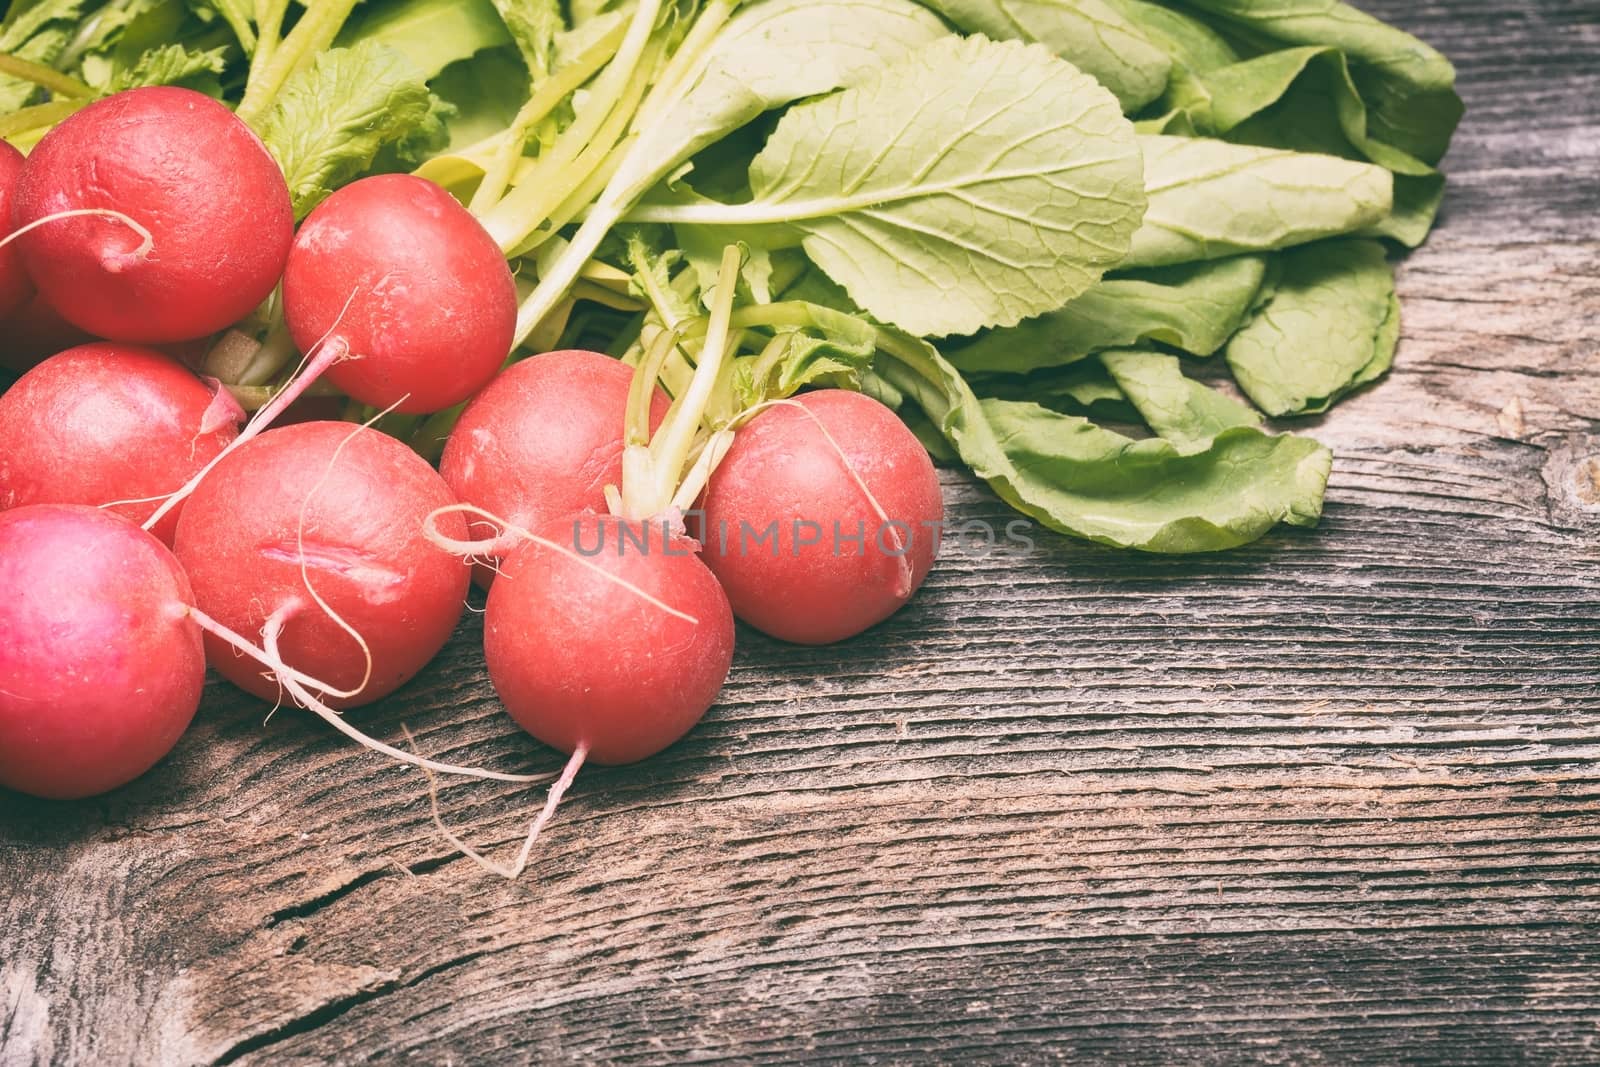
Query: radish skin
{"x": 16, "y": 288}
{"x": 825, "y": 458}
{"x": 324, "y": 510}
{"x": 110, "y": 422}
{"x": 101, "y": 667}
{"x": 196, "y": 179}
{"x": 397, "y": 293}
{"x": 578, "y": 660}
{"x": 544, "y": 439}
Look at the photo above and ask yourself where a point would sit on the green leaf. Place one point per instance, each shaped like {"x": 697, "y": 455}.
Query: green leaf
{"x": 1188, "y": 413}
{"x": 1409, "y": 87}
{"x": 1192, "y": 44}
{"x": 1209, "y": 199}
{"x": 534, "y": 25}
{"x": 778, "y": 51}
{"x": 171, "y": 65}
{"x": 430, "y": 34}
{"x": 483, "y": 93}
{"x": 1193, "y": 306}
{"x": 1083, "y": 388}
{"x": 1081, "y": 479}
{"x": 1090, "y": 34}
{"x": 969, "y": 185}
{"x": 240, "y": 17}
{"x": 1331, "y": 325}
{"x": 39, "y": 31}
{"x": 333, "y": 117}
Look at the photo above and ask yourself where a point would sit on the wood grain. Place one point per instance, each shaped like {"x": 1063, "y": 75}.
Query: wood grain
{"x": 1333, "y": 798}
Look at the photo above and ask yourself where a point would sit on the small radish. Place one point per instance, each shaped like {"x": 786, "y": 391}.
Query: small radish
{"x": 314, "y": 532}
{"x": 15, "y": 286}
{"x": 110, "y": 424}
{"x": 402, "y": 294}
{"x": 101, "y": 666}
{"x": 544, "y": 439}
{"x": 606, "y": 636}
{"x": 852, "y": 506}
{"x": 35, "y": 332}
{"x": 153, "y": 215}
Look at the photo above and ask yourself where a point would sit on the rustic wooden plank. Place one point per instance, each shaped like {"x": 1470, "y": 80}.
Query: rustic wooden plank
{"x": 1330, "y": 798}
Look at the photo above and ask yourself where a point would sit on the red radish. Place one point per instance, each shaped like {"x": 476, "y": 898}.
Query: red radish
{"x": 853, "y": 504}
{"x": 109, "y": 422}
{"x": 659, "y": 670}
{"x": 402, "y": 292}
{"x": 544, "y": 439}
{"x": 184, "y": 172}
{"x": 314, "y": 531}
{"x": 101, "y": 666}
{"x": 15, "y": 286}
{"x": 33, "y": 333}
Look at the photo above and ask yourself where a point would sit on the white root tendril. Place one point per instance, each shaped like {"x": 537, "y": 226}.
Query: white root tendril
{"x": 299, "y": 685}
{"x": 325, "y": 353}
{"x": 474, "y": 550}
{"x": 309, "y": 701}
{"x": 553, "y": 801}
{"x": 146, "y": 240}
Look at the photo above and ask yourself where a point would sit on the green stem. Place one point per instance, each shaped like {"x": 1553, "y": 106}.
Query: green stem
{"x": 41, "y": 75}
{"x": 545, "y": 99}
{"x": 37, "y": 117}
{"x": 312, "y": 34}
{"x": 525, "y": 207}
{"x": 685, "y": 62}
{"x": 670, "y": 449}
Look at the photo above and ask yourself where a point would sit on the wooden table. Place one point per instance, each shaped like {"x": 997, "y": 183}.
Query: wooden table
{"x": 1330, "y": 798}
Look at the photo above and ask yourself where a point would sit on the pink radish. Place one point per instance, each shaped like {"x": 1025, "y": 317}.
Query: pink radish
{"x": 105, "y": 423}
{"x": 15, "y": 286}
{"x": 401, "y": 294}
{"x": 543, "y": 439}
{"x": 100, "y": 665}
{"x": 153, "y": 215}
{"x": 854, "y": 508}
{"x": 317, "y": 529}
{"x": 660, "y": 669}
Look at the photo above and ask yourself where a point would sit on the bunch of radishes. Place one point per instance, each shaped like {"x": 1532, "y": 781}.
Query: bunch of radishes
{"x": 326, "y": 561}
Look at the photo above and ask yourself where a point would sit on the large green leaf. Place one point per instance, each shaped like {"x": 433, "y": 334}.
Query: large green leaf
{"x": 1090, "y": 34}
{"x": 1082, "y": 479}
{"x": 1209, "y": 199}
{"x": 1331, "y": 325}
{"x": 430, "y": 34}
{"x": 332, "y": 118}
{"x": 1188, "y": 413}
{"x": 970, "y": 185}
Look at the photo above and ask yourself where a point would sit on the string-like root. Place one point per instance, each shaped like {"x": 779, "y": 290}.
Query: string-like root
{"x": 511, "y": 873}
{"x": 305, "y": 698}
{"x": 478, "y": 549}
{"x": 325, "y": 353}
{"x": 299, "y": 685}
{"x": 146, "y": 241}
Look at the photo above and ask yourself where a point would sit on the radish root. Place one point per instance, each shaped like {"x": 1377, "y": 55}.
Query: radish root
{"x": 476, "y": 551}
{"x": 146, "y": 240}
{"x": 553, "y": 801}
{"x": 324, "y": 354}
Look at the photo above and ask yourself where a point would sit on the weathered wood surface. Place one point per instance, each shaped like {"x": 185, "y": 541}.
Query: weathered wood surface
{"x": 1332, "y": 798}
